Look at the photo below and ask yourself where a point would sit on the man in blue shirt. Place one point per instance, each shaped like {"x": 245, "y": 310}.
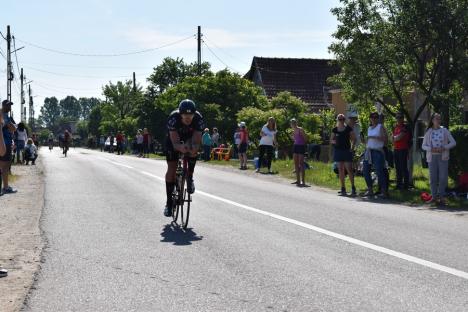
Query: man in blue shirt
{"x": 8, "y": 128}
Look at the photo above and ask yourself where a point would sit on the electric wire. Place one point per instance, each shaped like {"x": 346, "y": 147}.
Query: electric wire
{"x": 107, "y": 55}
{"x": 82, "y": 76}
{"x": 223, "y": 50}
{"x": 219, "y": 59}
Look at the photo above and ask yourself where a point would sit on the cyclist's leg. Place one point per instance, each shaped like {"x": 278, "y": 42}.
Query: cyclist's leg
{"x": 171, "y": 159}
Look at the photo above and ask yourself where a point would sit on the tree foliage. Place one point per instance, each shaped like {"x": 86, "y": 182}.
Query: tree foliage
{"x": 389, "y": 48}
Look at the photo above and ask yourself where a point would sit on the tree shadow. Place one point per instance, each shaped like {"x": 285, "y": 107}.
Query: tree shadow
{"x": 172, "y": 233}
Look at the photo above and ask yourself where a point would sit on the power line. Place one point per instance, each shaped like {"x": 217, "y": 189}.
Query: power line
{"x": 85, "y": 66}
{"x": 81, "y": 76}
{"x": 106, "y": 55}
{"x": 222, "y": 50}
{"x": 219, "y": 59}
{"x": 2, "y": 53}
{"x": 60, "y": 87}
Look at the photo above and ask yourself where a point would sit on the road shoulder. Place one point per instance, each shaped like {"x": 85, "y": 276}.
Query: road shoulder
{"x": 20, "y": 235}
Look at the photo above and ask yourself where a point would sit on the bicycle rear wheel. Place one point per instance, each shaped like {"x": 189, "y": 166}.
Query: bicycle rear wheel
{"x": 185, "y": 213}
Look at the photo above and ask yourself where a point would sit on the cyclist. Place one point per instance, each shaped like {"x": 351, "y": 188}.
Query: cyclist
{"x": 66, "y": 142}
{"x": 184, "y": 132}
{"x": 51, "y": 141}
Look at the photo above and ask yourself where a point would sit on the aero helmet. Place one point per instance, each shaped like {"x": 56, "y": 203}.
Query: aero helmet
{"x": 187, "y": 107}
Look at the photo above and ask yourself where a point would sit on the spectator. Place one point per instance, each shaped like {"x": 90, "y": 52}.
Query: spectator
{"x": 119, "y": 140}
{"x": 343, "y": 140}
{"x": 2, "y": 141}
{"x": 21, "y": 137}
{"x": 354, "y": 124}
{"x": 139, "y": 141}
{"x": 401, "y": 145}
{"x": 8, "y": 128}
{"x": 236, "y": 142}
{"x": 111, "y": 143}
{"x": 375, "y": 156}
{"x": 30, "y": 152}
{"x": 102, "y": 142}
{"x": 206, "y": 142}
{"x": 267, "y": 143}
{"x": 146, "y": 143}
{"x": 3, "y": 272}
{"x": 244, "y": 143}
{"x": 51, "y": 141}
{"x": 35, "y": 139}
{"x": 215, "y": 138}
{"x": 299, "y": 148}
{"x": 66, "y": 142}
{"x": 437, "y": 143}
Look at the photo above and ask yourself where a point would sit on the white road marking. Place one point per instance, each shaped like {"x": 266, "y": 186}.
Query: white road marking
{"x": 116, "y": 163}
{"x": 342, "y": 237}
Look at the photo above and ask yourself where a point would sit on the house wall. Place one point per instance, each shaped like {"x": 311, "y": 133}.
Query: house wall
{"x": 338, "y": 102}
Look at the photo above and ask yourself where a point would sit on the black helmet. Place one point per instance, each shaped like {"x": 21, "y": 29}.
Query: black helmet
{"x": 187, "y": 107}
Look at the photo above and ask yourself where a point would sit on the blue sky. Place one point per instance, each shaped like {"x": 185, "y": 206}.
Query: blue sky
{"x": 235, "y": 31}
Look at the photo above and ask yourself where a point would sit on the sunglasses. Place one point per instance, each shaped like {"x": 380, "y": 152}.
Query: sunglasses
{"x": 341, "y": 119}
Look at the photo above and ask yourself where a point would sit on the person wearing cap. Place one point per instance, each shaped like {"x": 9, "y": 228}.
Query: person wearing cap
{"x": 139, "y": 141}
{"x": 206, "y": 142}
{"x": 215, "y": 137}
{"x": 375, "y": 156}
{"x": 8, "y": 129}
{"x": 354, "y": 124}
{"x": 243, "y": 145}
{"x": 401, "y": 145}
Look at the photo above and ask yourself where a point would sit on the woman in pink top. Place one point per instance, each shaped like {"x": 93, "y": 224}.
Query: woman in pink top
{"x": 299, "y": 149}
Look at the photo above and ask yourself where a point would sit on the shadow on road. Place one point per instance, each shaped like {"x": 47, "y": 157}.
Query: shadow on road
{"x": 177, "y": 236}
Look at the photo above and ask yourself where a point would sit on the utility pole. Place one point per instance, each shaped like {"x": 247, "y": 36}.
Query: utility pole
{"x": 22, "y": 96}
{"x": 199, "y": 35}
{"x": 9, "y": 69}
{"x": 134, "y": 83}
{"x": 31, "y": 109}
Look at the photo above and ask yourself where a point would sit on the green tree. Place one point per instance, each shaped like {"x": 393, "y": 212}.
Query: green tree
{"x": 389, "y": 48}
{"x": 87, "y": 104}
{"x": 229, "y": 91}
{"x": 172, "y": 71}
{"x": 50, "y": 114}
{"x": 70, "y": 108}
{"x": 94, "y": 121}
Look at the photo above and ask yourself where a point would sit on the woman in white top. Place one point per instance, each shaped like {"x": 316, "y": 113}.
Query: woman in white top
{"x": 21, "y": 137}
{"x": 437, "y": 143}
{"x": 375, "y": 156}
{"x": 267, "y": 143}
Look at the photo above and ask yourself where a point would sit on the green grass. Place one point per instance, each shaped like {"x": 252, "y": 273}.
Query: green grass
{"x": 321, "y": 174}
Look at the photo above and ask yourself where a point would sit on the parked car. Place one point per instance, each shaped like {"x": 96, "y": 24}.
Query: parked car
{"x": 107, "y": 145}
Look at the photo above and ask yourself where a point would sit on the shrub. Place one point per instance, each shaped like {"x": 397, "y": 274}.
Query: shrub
{"x": 458, "y": 162}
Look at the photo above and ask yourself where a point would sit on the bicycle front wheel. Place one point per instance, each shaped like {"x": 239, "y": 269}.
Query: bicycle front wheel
{"x": 185, "y": 211}
{"x": 175, "y": 206}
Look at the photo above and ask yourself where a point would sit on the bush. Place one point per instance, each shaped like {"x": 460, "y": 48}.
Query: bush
{"x": 458, "y": 161}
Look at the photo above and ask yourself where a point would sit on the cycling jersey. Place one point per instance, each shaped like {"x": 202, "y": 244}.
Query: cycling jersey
{"x": 174, "y": 123}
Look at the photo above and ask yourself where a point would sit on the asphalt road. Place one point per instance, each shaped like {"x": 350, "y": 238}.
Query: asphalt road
{"x": 255, "y": 243}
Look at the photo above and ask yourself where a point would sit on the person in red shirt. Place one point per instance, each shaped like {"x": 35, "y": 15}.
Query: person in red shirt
{"x": 119, "y": 139}
{"x": 146, "y": 143}
{"x": 401, "y": 145}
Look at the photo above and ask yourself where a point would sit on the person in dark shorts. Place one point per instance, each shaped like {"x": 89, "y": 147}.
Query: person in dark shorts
{"x": 184, "y": 133}
{"x": 299, "y": 149}
{"x": 343, "y": 139}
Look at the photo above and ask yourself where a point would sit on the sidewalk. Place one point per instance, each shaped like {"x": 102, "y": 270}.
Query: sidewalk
{"x": 20, "y": 235}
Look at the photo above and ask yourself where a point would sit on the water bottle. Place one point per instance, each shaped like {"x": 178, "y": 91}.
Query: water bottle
{"x": 276, "y": 154}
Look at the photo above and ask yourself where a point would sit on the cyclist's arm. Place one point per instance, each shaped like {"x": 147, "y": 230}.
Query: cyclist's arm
{"x": 175, "y": 139}
{"x": 196, "y": 141}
